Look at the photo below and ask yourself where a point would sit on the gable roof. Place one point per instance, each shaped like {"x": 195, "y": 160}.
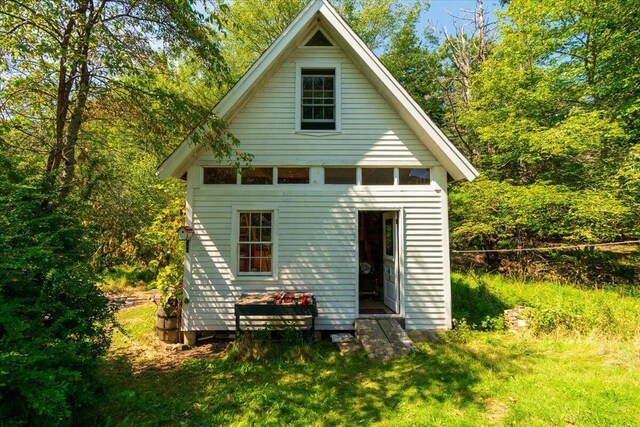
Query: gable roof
{"x": 321, "y": 12}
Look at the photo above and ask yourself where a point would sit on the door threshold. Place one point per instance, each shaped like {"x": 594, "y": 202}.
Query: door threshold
{"x": 380, "y": 316}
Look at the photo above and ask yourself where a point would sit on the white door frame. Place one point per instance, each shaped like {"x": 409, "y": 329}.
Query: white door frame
{"x": 400, "y": 261}
{"x": 392, "y": 260}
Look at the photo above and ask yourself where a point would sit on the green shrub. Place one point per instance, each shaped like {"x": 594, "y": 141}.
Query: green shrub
{"x": 548, "y": 320}
{"x": 54, "y": 322}
{"x": 461, "y": 332}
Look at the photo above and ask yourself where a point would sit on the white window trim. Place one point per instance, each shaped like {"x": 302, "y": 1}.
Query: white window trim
{"x": 338, "y": 94}
{"x": 235, "y": 237}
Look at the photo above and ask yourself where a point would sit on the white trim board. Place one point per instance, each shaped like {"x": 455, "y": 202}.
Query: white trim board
{"x": 320, "y": 14}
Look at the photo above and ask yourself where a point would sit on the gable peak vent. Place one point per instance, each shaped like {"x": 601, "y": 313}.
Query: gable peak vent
{"x": 319, "y": 39}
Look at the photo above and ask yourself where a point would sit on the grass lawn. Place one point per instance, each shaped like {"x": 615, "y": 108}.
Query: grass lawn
{"x": 474, "y": 378}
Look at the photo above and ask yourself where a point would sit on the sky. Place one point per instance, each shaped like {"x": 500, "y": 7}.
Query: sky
{"x": 439, "y": 14}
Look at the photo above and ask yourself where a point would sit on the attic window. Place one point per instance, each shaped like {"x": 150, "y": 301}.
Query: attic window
{"x": 319, "y": 39}
{"x": 318, "y": 99}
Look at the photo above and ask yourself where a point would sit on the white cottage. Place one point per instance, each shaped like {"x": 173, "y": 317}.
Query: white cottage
{"x": 347, "y": 197}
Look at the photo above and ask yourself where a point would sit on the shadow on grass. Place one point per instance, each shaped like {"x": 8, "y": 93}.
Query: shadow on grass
{"x": 474, "y": 301}
{"x": 302, "y": 385}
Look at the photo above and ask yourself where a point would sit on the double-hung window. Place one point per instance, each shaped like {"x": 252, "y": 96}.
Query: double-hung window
{"x": 318, "y": 99}
{"x": 255, "y": 243}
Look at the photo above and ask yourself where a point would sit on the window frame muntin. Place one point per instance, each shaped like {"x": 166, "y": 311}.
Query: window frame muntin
{"x": 261, "y": 242}
{"x": 235, "y": 238}
{"x": 303, "y": 105}
{"x": 337, "y": 89}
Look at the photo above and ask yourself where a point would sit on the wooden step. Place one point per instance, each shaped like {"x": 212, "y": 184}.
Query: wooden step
{"x": 374, "y": 341}
{"x": 383, "y": 338}
{"x": 398, "y": 338}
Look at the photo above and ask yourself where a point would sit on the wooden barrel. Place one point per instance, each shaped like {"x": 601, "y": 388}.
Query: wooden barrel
{"x": 167, "y": 326}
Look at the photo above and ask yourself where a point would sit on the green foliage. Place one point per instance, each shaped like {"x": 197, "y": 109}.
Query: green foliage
{"x": 410, "y": 57}
{"x": 481, "y": 300}
{"x": 168, "y": 252}
{"x": 547, "y": 126}
{"x": 54, "y": 322}
{"x": 497, "y": 215}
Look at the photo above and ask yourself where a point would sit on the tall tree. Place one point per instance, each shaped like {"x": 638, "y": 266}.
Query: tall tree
{"x": 61, "y": 57}
{"x": 542, "y": 124}
{"x": 412, "y": 57}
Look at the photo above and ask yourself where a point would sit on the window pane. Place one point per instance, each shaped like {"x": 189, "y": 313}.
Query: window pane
{"x": 328, "y": 113}
{"x": 266, "y": 219}
{"x": 243, "y": 251}
{"x": 388, "y": 237}
{"x": 255, "y": 250}
{"x": 340, "y": 176}
{"x": 243, "y": 265}
{"x": 293, "y": 175}
{"x": 331, "y": 125}
{"x": 245, "y": 219}
{"x": 266, "y": 265}
{"x": 257, "y": 176}
{"x": 219, "y": 176}
{"x": 244, "y": 234}
{"x": 265, "y": 234}
{"x": 377, "y": 176}
{"x": 414, "y": 176}
{"x": 255, "y": 219}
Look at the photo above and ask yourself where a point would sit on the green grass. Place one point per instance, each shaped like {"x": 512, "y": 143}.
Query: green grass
{"x": 123, "y": 279}
{"x": 611, "y": 312}
{"x": 487, "y": 378}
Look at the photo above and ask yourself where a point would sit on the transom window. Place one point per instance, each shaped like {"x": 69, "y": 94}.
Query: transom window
{"x": 377, "y": 176}
{"x": 318, "y": 99}
{"x": 409, "y": 176}
{"x": 255, "y": 243}
{"x": 340, "y": 176}
{"x": 257, "y": 176}
{"x": 219, "y": 176}
{"x": 293, "y": 175}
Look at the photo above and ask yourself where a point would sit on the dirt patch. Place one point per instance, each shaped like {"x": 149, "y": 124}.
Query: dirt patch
{"x": 166, "y": 358}
{"x": 131, "y": 298}
{"x": 144, "y": 351}
{"x": 496, "y": 411}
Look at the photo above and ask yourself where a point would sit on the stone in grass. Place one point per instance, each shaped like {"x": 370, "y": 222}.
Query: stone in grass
{"x": 516, "y": 320}
{"x": 338, "y": 338}
{"x": 346, "y": 343}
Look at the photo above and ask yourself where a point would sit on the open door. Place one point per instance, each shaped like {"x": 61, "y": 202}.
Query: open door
{"x": 390, "y": 257}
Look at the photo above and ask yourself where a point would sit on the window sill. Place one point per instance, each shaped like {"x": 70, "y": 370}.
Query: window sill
{"x": 254, "y": 279}
{"x": 318, "y": 132}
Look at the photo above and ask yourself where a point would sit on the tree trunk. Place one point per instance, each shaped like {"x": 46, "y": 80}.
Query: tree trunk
{"x": 65, "y": 84}
{"x": 77, "y": 116}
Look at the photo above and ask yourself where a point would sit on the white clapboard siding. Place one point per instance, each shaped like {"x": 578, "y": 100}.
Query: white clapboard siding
{"x": 372, "y": 132}
{"x": 317, "y": 224}
{"x": 314, "y": 255}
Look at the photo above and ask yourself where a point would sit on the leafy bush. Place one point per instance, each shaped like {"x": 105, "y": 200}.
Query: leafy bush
{"x": 54, "y": 322}
{"x": 169, "y": 261}
{"x": 461, "y": 333}
{"x": 493, "y": 215}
